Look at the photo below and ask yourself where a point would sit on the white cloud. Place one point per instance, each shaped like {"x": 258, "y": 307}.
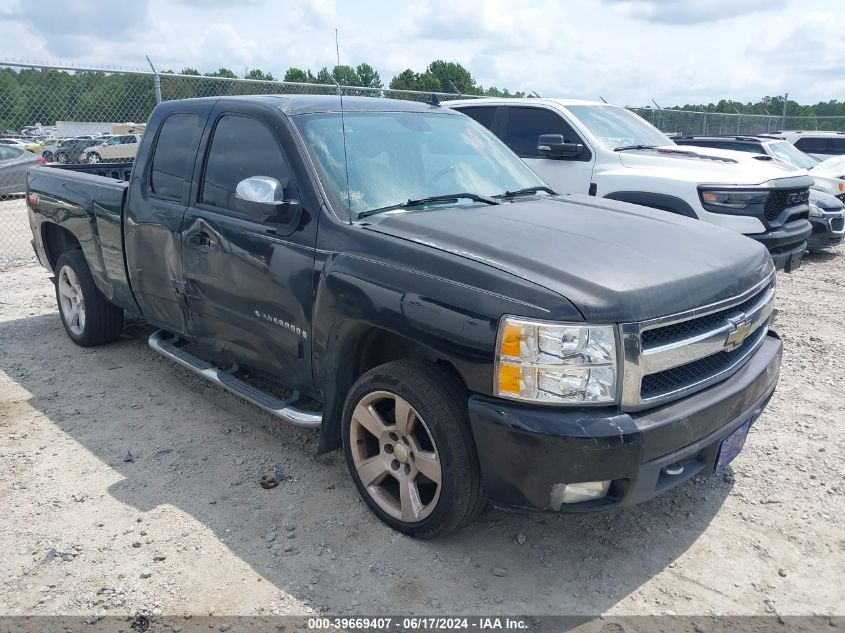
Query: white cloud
{"x": 628, "y": 51}
{"x": 693, "y": 11}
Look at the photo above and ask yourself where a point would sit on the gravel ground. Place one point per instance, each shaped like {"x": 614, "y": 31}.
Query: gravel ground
{"x": 183, "y": 526}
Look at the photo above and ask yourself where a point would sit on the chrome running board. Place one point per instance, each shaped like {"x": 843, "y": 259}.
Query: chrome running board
{"x": 166, "y": 344}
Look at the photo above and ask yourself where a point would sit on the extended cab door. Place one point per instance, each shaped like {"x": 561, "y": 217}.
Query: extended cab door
{"x": 157, "y": 199}
{"x": 249, "y": 283}
{"x": 523, "y": 125}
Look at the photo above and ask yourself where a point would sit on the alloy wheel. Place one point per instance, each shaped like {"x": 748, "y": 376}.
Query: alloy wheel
{"x": 395, "y": 456}
{"x": 71, "y": 300}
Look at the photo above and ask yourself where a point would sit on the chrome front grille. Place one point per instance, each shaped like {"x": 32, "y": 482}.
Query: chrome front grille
{"x": 681, "y": 330}
{"x": 669, "y": 357}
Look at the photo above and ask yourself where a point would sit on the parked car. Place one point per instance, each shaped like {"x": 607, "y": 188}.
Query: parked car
{"x": 48, "y": 149}
{"x": 71, "y": 151}
{"x": 778, "y": 149}
{"x": 14, "y": 142}
{"x": 463, "y": 333}
{"x": 117, "y": 148}
{"x": 827, "y": 216}
{"x": 819, "y": 145}
{"x": 14, "y": 161}
{"x": 610, "y": 152}
{"x": 833, "y": 167}
{"x": 26, "y": 144}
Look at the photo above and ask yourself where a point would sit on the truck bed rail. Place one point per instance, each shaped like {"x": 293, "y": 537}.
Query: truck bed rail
{"x": 118, "y": 171}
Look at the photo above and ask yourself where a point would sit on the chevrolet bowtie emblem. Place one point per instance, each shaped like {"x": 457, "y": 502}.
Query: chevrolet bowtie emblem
{"x": 740, "y": 329}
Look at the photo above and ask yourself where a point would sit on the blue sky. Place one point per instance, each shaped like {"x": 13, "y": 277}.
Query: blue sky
{"x": 628, "y": 51}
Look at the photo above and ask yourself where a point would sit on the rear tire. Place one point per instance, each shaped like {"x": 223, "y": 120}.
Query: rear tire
{"x": 403, "y": 456}
{"x": 61, "y": 157}
{"x": 88, "y": 317}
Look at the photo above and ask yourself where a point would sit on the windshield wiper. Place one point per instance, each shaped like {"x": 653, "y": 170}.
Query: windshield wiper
{"x": 621, "y": 147}
{"x": 526, "y": 192}
{"x": 452, "y": 197}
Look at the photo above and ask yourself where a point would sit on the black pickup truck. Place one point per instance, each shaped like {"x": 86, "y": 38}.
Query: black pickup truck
{"x": 467, "y": 334}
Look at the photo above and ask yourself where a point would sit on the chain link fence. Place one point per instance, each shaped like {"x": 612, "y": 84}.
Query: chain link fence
{"x": 686, "y": 122}
{"x": 59, "y": 114}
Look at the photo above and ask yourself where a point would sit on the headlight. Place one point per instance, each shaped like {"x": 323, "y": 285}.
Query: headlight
{"x": 815, "y": 211}
{"x": 556, "y": 363}
{"x": 732, "y": 199}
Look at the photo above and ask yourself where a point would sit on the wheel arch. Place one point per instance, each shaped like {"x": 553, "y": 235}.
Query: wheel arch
{"x": 57, "y": 240}
{"x": 355, "y": 348}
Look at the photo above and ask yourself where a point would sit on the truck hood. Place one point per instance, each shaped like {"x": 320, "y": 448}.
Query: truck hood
{"x": 706, "y": 165}
{"x": 832, "y": 186}
{"x": 832, "y": 167}
{"x": 614, "y": 261}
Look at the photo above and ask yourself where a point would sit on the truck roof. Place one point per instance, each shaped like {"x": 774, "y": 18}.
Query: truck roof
{"x": 524, "y": 101}
{"x": 307, "y": 104}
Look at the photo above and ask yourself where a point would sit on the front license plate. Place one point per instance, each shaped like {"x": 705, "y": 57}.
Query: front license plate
{"x": 794, "y": 262}
{"x": 731, "y": 446}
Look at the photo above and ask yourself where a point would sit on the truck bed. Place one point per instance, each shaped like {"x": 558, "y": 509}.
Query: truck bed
{"x": 114, "y": 171}
{"x": 90, "y": 207}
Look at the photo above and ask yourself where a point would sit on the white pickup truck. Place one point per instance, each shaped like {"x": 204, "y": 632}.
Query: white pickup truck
{"x": 607, "y": 151}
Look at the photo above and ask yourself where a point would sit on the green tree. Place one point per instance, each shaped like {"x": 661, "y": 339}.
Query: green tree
{"x": 190, "y": 71}
{"x": 324, "y": 76}
{"x": 300, "y": 76}
{"x": 222, "y": 72}
{"x": 439, "y": 76}
{"x": 409, "y": 80}
{"x": 451, "y": 74}
{"x": 346, "y": 76}
{"x": 368, "y": 77}
{"x": 406, "y": 80}
{"x": 259, "y": 75}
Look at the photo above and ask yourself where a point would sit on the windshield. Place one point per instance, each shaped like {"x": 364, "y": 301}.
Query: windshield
{"x": 394, "y": 157}
{"x": 617, "y": 127}
{"x": 788, "y": 153}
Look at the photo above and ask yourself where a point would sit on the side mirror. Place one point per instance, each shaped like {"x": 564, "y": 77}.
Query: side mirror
{"x": 262, "y": 198}
{"x": 555, "y": 146}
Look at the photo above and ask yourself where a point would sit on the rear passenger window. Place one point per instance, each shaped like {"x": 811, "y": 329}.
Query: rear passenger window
{"x": 483, "y": 115}
{"x": 525, "y": 125}
{"x": 745, "y": 147}
{"x": 812, "y": 145}
{"x": 174, "y": 152}
{"x": 836, "y": 146}
{"x": 241, "y": 147}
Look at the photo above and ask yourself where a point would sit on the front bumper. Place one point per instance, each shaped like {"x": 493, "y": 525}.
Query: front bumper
{"x": 828, "y": 231}
{"x": 786, "y": 244}
{"x": 528, "y": 453}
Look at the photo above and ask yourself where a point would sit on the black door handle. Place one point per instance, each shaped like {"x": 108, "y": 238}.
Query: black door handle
{"x": 201, "y": 242}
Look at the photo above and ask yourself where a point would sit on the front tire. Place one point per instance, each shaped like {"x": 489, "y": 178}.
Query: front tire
{"x": 61, "y": 157}
{"x": 409, "y": 448}
{"x": 93, "y": 158}
{"x": 88, "y": 317}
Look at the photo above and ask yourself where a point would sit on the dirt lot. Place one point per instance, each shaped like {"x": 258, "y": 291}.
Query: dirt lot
{"x": 185, "y": 528}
